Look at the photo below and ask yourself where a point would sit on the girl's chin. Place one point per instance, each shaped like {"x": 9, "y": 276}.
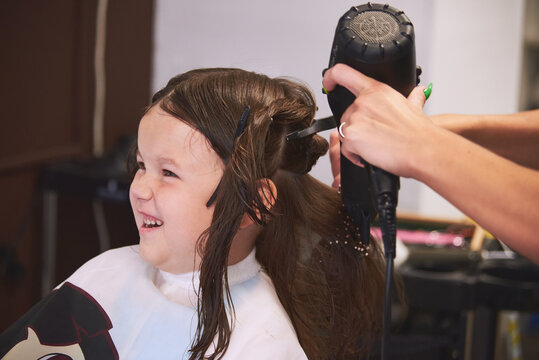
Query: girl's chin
{"x": 149, "y": 252}
{"x": 164, "y": 260}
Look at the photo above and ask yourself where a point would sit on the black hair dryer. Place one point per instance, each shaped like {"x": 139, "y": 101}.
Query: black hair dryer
{"x": 378, "y": 41}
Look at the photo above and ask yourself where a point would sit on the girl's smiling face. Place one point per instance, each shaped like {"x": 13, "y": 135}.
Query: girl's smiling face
{"x": 178, "y": 172}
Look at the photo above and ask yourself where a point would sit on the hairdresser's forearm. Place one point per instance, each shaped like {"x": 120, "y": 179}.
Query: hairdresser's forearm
{"x": 513, "y": 136}
{"x": 499, "y": 195}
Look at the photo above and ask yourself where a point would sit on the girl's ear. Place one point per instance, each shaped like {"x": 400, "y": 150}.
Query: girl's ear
{"x": 268, "y": 193}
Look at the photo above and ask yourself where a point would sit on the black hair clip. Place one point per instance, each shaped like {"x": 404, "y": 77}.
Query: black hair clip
{"x": 214, "y": 195}
{"x": 317, "y": 126}
{"x": 242, "y": 124}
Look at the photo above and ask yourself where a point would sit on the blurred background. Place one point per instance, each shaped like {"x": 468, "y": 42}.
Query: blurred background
{"x": 77, "y": 75}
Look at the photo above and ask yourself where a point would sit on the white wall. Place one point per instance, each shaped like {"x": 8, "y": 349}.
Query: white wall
{"x": 475, "y": 64}
{"x": 470, "y": 50}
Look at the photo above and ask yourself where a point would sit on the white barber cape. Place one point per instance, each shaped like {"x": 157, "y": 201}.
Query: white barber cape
{"x": 119, "y": 306}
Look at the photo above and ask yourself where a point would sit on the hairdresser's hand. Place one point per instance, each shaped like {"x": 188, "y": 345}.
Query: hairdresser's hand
{"x": 381, "y": 125}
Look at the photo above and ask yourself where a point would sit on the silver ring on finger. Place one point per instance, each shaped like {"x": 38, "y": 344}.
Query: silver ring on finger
{"x": 340, "y": 129}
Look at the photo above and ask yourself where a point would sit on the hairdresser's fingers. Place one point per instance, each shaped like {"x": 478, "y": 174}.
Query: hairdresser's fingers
{"x": 335, "y": 158}
{"x": 417, "y": 97}
{"x": 351, "y": 154}
{"x": 335, "y": 153}
{"x": 348, "y": 77}
{"x": 336, "y": 181}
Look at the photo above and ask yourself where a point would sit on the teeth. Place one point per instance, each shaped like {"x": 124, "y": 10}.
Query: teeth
{"x": 149, "y": 222}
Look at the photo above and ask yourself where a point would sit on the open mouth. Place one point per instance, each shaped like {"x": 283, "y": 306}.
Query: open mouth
{"x": 152, "y": 223}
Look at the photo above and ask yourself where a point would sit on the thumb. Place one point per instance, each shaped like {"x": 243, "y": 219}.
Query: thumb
{"x": 417, "y": 97}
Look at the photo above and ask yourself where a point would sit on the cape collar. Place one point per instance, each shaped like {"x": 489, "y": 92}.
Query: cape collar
{"x": 183, "y": 288}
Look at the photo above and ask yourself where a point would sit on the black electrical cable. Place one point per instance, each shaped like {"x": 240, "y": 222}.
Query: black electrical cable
{"x": 387, "y": 204}
{"x": 387, "y": 309}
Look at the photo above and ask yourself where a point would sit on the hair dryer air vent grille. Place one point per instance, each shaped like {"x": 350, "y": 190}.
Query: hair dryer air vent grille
{"x": 375, "y": 27}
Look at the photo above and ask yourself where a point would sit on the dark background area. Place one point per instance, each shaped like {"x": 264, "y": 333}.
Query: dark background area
{"x": 47, "y": 99}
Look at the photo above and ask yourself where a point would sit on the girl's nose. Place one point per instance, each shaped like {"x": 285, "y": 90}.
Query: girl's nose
{"x": 141, "y": 187}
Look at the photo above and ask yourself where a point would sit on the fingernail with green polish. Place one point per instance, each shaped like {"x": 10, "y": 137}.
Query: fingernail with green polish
{"x": 324, "y": 90}
{"x": 428, "y": 91}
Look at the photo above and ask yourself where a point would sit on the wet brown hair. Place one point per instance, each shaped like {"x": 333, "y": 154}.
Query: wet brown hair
{"x": 331, "y": 290}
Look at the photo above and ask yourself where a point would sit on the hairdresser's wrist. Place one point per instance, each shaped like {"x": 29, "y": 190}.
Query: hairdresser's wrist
{"x": 431, "y": 153}
{"x": 452, "y": 122}
{"x": 468, "y": 126}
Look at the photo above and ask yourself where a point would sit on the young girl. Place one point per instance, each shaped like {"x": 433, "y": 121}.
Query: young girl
{"x": 242, "y": 255}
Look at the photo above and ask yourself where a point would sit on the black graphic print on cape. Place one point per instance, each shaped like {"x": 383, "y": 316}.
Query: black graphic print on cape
{"x": 68, "y": 318}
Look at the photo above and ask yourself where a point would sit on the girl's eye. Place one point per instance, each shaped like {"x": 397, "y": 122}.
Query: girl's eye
{"x": 169, "y": 173}
{"x": 140, "y": 165}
